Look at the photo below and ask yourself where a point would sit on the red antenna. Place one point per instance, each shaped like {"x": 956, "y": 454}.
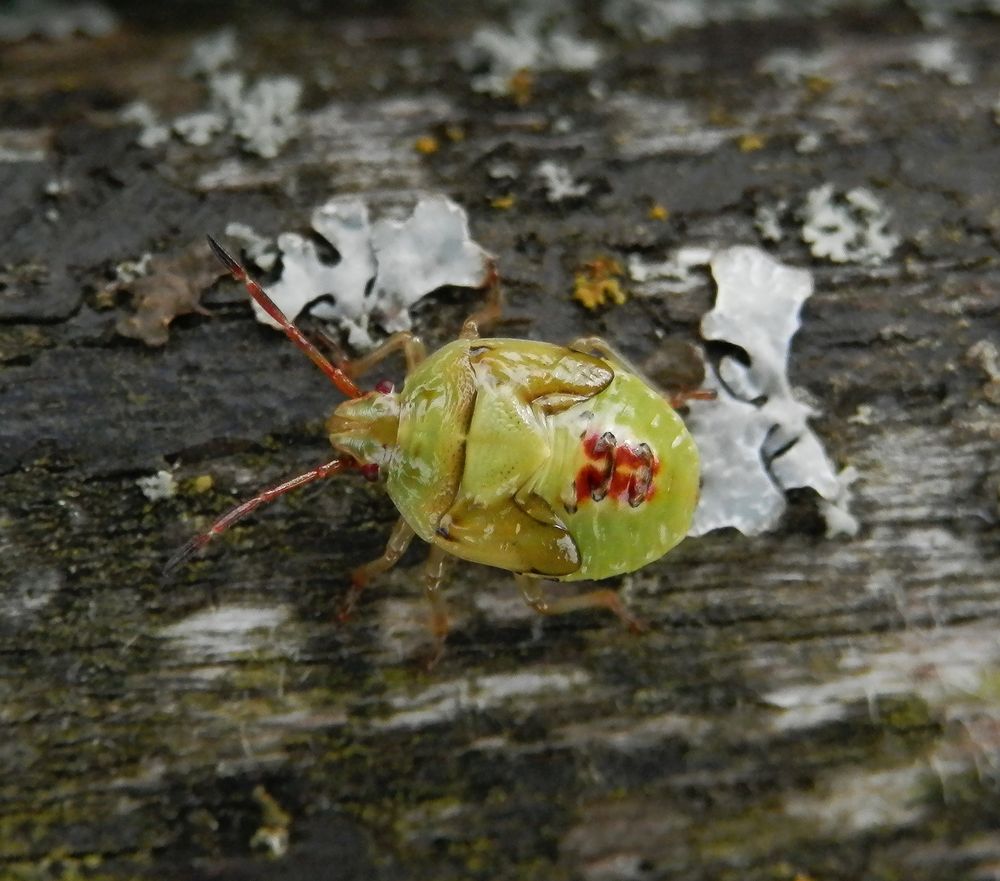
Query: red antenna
{"x": 241, "y": 510}
{"x": 337, "y": 376}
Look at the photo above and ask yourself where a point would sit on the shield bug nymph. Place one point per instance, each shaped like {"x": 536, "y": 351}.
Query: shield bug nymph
{"x": 552, "y": 462}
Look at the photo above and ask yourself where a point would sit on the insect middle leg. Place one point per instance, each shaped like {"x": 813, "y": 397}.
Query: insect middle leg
{"x": 399, "y": 541}
{"x": 413, "y": 348}
{"x": 534, "y": 595}
{"x": 434, "y": 572}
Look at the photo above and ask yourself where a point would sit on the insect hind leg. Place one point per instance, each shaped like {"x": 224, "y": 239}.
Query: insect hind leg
{"x": 534, "y": 595}
{"x": 600, "y": 345}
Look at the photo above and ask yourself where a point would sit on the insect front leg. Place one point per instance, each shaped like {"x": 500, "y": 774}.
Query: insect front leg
{"x": 490, "y": 312}
{"x": 534, "y": 595}
{"x": 399, "y": 541}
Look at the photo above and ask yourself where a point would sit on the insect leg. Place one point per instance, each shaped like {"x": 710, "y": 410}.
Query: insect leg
{"x": 605, "y": 349}
{"x": 249, "y": 506}
{"x": 399, "y": 541}
{"x": 489, "y": 313}
{"x": 679, "y": 399}
{"x": 602, "y": 346}
{"x": 413, "y": 350}
{"x": 434, "y": 571}
{"x": 534, "y": 595}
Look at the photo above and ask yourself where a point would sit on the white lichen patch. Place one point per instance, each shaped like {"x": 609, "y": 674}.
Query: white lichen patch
{"x": 683, "y": 270}
{"x": 306, "y": 276}
{"x": 836, "y": 511}
{"x": 496, "y": 54}
{"x": 403, "y": 632}
{"x": 227, "y": 632}
{"x": 263, "y": 116}
{"x": 24, "y": 145}
{"x": 212, "y": 53}
{"x": 128, "y": 271}
{"x": 654, "y": 19}
{"x": 792, "y": 66}
{"x": 754, "y": 439}
{"x": 853, "y": 228}
{"x": 767, "y": 220}
{"x": 809, "y": 142}
{"x": 862, "y": 800}
{"x": 650, "y": 126}
{"x": 559, "y": 182}
{"x": 384, "y": 267}
{"x": 152, "y": 131}
{"x": 936, "y": 14}
{"x": 260, "y": 250}
{"x": 159, "y": 486}
{"x": 445, "y": 701}
{"x": 55, "y": 21}
{"x": 986, "y": 355}
{"x": 199, "y": 128}
{"x": 942, "y": 55}
{"x": 29, "y": 592}
{"x": 631, "y": 735}
{"x": 945, "y": 668}
{"x": 736, "y": 489}
{"x": 430, "y": 249}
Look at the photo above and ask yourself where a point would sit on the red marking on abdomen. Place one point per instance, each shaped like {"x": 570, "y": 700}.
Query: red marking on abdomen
{"x": 624, "y": 472}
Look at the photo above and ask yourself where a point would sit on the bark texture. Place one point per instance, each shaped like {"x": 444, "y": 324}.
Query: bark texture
{"x": 802, "y": 707}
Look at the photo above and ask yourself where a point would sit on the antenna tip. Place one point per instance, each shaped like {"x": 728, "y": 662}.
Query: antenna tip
{"x": 226, "y": 258}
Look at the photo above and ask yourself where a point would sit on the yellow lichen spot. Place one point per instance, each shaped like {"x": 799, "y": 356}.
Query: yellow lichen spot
{"x": 658, "y": 212}
{"x": 454, "y": 133}
{"x": 503, "y": 203}
{"x": 599, "y": 283}
{"x": 104, "y": 299}
{"x": 202, "y": 483}
{"x": 818, "y": 85}
{"x": 521, "y": 86}
{"x": 750, "y": 143}
{"x": 720, "y": 116}
{"x": 426, "y": 144}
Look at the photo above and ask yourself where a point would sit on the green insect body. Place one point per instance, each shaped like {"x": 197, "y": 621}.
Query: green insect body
{"x": 552, "y": 462}
{"x": 530, "y": 457}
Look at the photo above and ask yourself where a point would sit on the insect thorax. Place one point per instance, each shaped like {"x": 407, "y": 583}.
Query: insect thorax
{"x": 366, "y": 428}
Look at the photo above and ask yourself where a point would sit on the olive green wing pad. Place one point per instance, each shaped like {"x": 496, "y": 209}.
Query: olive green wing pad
{"x": 436, "y": 409}
{"x": 514, "y": 534}
{"x": 552, "y": 378}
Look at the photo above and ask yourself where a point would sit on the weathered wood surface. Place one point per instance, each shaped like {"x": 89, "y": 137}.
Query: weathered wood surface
{"x": 802, "y": 707}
